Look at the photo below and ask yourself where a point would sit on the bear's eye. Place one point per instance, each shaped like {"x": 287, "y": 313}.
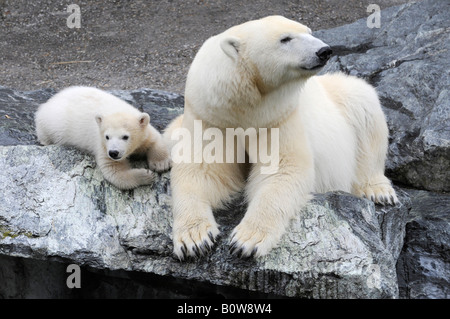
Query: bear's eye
{"x": 125, "y": 137}
{"x": 286, "y": 39}
{"x": 107, "y": 137}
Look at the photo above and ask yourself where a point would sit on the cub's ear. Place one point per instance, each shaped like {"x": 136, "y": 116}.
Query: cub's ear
{"x": 231, "y": 46}
{"x": 144, "y": 119}
{"x": 99, "y": 119}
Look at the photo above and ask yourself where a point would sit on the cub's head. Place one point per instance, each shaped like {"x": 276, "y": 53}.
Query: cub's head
{"x": 122, "y": 133}
{"x": 276, "y": 50}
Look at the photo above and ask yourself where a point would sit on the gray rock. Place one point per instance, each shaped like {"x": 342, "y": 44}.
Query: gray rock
{"x": 424, "y": 263}
{"x": 17, "y": 115}
{"x": 46, "y": 279}
{"x": 22, "y": 278}
{"x": 57, "y": 206}
{"x": 407, "y": 59}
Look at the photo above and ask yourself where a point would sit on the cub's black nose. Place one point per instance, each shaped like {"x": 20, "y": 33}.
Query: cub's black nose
{"x": 324, "y": 53}
{"x": 114, "y": 154}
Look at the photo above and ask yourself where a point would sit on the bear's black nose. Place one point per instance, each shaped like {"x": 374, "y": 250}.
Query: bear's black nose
{"x": 113, "y": 154}
{"x": 324, "y": 53}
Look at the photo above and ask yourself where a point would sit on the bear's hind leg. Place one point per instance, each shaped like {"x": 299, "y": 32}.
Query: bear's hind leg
{"x": 360, "y": 104}
{"x": 371, "y": 182}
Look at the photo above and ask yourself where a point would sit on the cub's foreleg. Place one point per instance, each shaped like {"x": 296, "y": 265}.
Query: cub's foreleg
{"x": 121, "y": 175}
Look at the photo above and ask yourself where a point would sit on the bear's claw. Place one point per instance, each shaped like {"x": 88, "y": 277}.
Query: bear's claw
{"x": 252, "y": 240}
{"x": 235, "y": 250}
{"x": 160, "y": 166}
{"x": 381, "y": 193}
{"x": 195, "y": 250}
{"x": 232, "y": 248}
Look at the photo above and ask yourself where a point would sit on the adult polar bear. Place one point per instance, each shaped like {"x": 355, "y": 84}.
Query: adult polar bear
{"x": 332, "y": 134}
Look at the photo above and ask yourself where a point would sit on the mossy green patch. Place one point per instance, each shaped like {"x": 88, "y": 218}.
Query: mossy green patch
{"x": 5, "y": 232}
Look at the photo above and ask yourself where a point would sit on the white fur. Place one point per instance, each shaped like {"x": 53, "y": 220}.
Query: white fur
{"x": 333, "y": 134}
{"x": 100, "y": 123}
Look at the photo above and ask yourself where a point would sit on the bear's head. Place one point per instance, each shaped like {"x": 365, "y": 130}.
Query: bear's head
{"x": 275, "y": 50}
{"x": 240, "y": 75}
{"x": 122, "y": 133}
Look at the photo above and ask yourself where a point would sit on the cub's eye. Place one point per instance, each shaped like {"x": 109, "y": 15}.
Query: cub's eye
{"x": 125, "y": 137}
{"x": 286, "y": 39}
{"x": 107, "y": 137}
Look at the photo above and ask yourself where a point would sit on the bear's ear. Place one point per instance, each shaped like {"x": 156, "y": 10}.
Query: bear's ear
{"x": 99, "y": 119}
{"x": 231, "y": 46}
{"x": 144, "y": 119}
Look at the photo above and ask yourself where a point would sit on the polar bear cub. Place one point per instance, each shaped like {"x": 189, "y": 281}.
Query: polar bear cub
{"x": 106, "y": 126}
{"x": 332, "y": 134}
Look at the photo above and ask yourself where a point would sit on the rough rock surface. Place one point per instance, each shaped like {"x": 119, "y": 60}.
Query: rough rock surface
{"x": 57, "y": 204}
{"x": 57, "y": 207}
{"x": 424, "y": 264}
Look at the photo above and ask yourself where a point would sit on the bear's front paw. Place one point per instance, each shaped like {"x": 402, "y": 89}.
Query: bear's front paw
{"x": 381, "y": 193}
{"x": 253, "y": 239}
{"x": 195, "y": 238}
{"x": 143, "y": 176}
{"x": 160, "y": 166}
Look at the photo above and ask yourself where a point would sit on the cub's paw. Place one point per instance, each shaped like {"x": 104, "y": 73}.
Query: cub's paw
{"x": 143, "y": 176}
{"x": 160, "y": 166}
{"x": 252, "y": 239}
{"x": 194, "y": 238}
{"x": 381, "y": 193}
